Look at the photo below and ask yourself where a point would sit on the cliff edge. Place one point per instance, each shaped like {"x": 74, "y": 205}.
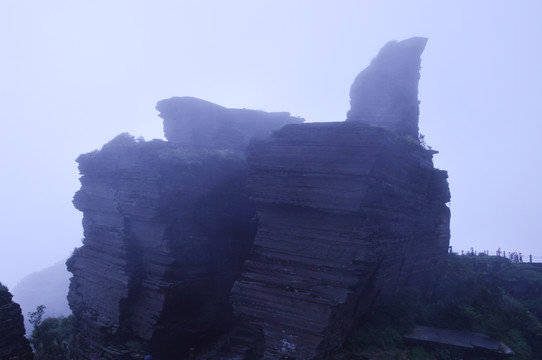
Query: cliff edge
{"x": 13, "y": 344}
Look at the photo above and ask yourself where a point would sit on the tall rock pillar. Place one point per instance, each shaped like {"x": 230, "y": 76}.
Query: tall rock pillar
{"x": 349, "y": 214}
{"x": 386, "y": 92}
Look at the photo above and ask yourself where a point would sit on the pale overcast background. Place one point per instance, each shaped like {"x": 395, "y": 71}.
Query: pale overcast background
{"x": 74, "y": 74}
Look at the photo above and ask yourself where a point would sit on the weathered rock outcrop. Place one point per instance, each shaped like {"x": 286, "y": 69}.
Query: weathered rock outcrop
{"x": 348, "y": 214}
{"x": 195, "y": 122}
{"x": 327, "y": 218}
{"x": 166, "y": 230}
{"x": 167, "y": 226}
{"x": 386, "y": 93}
{"x": 13, "y": 344}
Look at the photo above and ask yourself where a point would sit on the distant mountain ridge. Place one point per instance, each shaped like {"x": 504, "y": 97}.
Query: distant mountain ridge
{"x": 47, "y": 287}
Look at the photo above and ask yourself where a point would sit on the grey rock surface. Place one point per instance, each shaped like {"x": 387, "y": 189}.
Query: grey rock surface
{"x": 199, "y": 123}
{"x": 251, "y": 235}
{"x": 166, "y": 230}
{"x": 13, "y": 344}
{"x": 348, "y": 215}
{"x": 386, "y": 92}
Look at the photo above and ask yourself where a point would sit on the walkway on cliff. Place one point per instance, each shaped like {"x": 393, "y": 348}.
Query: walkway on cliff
{"x": 520, "y": 258}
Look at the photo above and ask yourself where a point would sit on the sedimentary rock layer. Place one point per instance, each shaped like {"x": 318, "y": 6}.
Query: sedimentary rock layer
{"x": 348, "y": 214}
{"x": 166, "y": 229}
{"x": 195, "y": 122}
{"x": 13, "y": 344}
{"x": 386, "y": 92}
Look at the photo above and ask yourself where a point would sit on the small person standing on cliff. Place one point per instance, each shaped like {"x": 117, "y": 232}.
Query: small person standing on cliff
{"x": 499, "y": 252}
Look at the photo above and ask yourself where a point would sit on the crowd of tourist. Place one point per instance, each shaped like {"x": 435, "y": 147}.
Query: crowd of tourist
{"x": 513, "y": 256}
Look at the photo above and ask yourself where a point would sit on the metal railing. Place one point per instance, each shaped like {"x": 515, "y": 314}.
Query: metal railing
{"x": 513, "y": 256}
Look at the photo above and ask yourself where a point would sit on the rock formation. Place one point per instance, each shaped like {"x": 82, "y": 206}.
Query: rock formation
{"x": 195, "y": 122}
{"x": 386, "y": 93}
{"x": 300, "y": 229}
{"x": 165, "y": 230}
{"x": 348, "y": 214}
{"x": 167, "y": 226}
{"x": 13, "y": 344}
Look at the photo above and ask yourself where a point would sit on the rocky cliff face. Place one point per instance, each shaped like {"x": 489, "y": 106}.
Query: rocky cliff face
{"x": 348, "y": 214}
{"x": 199, "y": 123}
{"x": 301, "y": 230}
{"x": 386, "y": 93}
{"x": 167, "y": 226}
{"x": 13, "y": 344}
{"x": 166, "y": 229}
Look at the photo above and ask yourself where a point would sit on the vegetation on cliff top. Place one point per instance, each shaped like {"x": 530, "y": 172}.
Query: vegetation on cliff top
{"x": 484, "y": 294}
{"x": 156, "y": 151}
{"x": 51, "y": 338}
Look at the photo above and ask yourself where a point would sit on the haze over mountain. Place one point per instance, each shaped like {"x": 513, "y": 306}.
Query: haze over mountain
{"x": 47, "y": 287}
{"x": 76, "y": 74}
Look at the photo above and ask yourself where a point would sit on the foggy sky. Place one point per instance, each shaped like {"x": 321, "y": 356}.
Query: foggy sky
{"x": 74, "y": 74}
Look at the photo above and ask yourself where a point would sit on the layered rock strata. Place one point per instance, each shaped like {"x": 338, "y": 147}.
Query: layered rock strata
{"x": 195, "y": 122}
{"x": 348, "y": 214}
{"x": 13, "y": 344}
{"x": 165, "y": 231}
{"x": 386, "y": 92}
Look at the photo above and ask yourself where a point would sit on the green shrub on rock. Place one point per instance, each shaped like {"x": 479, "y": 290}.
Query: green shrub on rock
{"x": 52, "y": 338}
